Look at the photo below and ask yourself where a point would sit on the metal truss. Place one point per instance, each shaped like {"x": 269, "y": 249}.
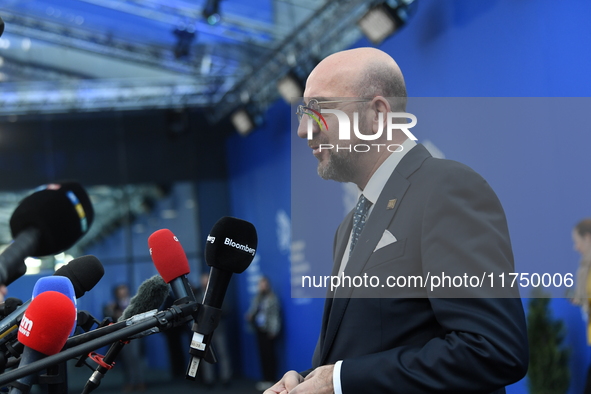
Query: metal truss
{"x": 26, "y": 71}
{"x": 105, "y": 44}
{"x": 65, "y": 91}
{"x": 328, "y": 30}
{"x": 238, "y": 74}
{"x": 235, "y": 27}
{"x": 109, "y": 95}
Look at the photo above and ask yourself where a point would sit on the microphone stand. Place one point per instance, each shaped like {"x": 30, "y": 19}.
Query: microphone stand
{"x": 57, "y": 375}
{"x": 163, "y": 320}
{"x": 56, "y": 378}
{"x": 206, "y": 320}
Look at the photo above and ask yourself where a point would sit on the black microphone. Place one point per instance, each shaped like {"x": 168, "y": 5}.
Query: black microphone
{"x": 84, "y": 273}
{"x": 230, "y": 247}
{"x": 150, "y": 295}
{"x": 46, "y": 222}
{"x": 1, "y": 27}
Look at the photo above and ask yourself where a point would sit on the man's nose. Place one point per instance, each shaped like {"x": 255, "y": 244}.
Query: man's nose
{"x": 305, "y": 124}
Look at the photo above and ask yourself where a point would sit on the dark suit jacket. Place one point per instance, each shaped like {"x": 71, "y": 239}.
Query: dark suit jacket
{"x": 446, "y": 218}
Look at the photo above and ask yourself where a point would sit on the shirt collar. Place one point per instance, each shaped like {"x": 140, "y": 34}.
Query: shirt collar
{"x": 378, "y": 180}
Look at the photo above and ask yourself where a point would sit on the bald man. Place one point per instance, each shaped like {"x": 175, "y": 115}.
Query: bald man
{"x": 422, "y": 215}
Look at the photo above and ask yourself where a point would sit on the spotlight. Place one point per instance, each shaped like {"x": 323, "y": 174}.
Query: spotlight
{"x": 185, "y": 35}
{"x": 211, "y": 11}
{"x": 243, "y": 121}
{"x": 290, "y": 87}
{"x": 384, "y": 19}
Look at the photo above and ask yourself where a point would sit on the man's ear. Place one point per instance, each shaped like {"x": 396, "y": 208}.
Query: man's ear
{"x": 380, "y": 107}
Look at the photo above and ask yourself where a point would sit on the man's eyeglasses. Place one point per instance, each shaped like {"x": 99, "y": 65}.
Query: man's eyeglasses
{"x": 314, "y": 106}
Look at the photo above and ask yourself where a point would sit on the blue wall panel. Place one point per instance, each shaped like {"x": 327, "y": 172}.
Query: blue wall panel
{"x": 259, "y": 190}
{"x": 464, "y": 48}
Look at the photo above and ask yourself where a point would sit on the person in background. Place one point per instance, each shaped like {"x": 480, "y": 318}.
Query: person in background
{"x": 130, "y": 356}
{"x": 582, "y": 243}
{"x": 265, "y": 316}
{"x": 3, "y": 292}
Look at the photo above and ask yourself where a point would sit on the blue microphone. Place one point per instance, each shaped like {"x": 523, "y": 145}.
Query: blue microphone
{"x": 61, "y": 284}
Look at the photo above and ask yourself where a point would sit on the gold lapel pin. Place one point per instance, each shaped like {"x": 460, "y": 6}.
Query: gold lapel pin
{"x": 391, "y": 204}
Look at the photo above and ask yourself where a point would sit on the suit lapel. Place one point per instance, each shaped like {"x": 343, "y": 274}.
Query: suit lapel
{"x": 342, "y": 238}
{"x": 379, "y": 219}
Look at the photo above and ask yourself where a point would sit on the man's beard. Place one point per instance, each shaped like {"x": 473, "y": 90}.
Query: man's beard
{"x": 340, "y": 166}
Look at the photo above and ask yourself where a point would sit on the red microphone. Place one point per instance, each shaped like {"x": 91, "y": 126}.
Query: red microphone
{"x": 44, "y": 330}
{"x": 171, "y": 262}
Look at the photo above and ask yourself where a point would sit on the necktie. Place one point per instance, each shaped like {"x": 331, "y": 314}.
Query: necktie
{"x": 359, "y": 218}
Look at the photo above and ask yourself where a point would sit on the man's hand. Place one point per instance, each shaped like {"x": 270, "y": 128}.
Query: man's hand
{"x": 287, "y": 383}
{"x": 319, "y": 381}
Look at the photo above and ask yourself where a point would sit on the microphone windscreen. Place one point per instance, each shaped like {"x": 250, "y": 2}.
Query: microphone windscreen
{"x": 61, "y": 212}
{"x": 168, "y": 255}
{"x": 61, "y": 284}
{"x": 47, "y": 323}
{"x": 231, "y": 245}
{"x": 150, "y": 295}
{"x": 84, "y": 272}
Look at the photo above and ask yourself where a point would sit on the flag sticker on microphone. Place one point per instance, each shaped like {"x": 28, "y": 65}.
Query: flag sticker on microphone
{"x": 245, "y": 248}
{"x": 79, "y": 210}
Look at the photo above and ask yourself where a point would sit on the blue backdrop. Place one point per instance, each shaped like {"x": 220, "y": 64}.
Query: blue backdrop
{"x": 454, "y": 48}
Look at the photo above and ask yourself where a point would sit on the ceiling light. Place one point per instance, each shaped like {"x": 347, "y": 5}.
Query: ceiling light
{"x": 290, "y": 87}
{"x": 33, "y": 265}
{"x": 243, "y": 121}
{"x": 211, "y": 11}
{"x": 26, "y": 44}
{"x": 384, "y": 19}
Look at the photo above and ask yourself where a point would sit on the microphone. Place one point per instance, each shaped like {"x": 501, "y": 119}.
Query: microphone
{"x": 61, "y": 284}
{"x": 83, "y": 272}
{"x": 1, "y": 27}
{"x": 137, "y": 325}
{"x": 44, "y": 330}
{"x": 230, "y": 248}
{"x": 48, "y": 221}
{"x": 150, "y": 295}
{"x": 50, "y": 283}
{"x": 171, "y": 262}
